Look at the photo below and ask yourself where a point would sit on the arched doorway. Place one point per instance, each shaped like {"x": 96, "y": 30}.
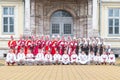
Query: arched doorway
{"x": 61, "y": 23}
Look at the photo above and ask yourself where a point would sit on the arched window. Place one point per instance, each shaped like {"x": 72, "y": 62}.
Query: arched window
{"x": 61, "y": 23}
{"x": 61, "y": 13}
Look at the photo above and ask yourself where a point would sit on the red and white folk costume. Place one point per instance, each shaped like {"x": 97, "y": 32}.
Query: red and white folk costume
{"x": 20, "y": 44}
{"x": 83, "y": 58}
{"x": 21, "y": 58}
{"x": 12, "y": 44}
{"x": 39, "y": 58}
{"x": 11, "y": 58}
{"x": 91, "y": 57}
{"x": 35, "y": 46}
{"x": 104, "y": 58}
{"x": 53, "y": 45}
{"x": 65, "y": 58}
{"x": 57, "y": 58}
{"x": 97, "y": 59}
{"x": 47, "y": 44}
{"x": 48, "y": 58}
{"x": 111, "y": 58}
{"x": 74, "y": 58}
{"x": 28, "y": 43}
{"x": 29, "y": 57}
{"x": 70, "y": 47}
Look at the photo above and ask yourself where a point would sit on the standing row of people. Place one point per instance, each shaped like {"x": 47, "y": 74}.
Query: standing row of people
{"x": 97, "y": 45}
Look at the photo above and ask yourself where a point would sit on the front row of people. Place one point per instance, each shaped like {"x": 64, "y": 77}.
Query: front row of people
{"x": 48, "y": 59}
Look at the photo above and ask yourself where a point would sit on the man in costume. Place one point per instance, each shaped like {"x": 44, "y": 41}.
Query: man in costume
{"x": 12, "y": 44}
{"x": 11, "y": 57}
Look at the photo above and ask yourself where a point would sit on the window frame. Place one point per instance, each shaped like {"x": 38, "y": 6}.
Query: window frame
{"x": 8, "y": 16}
{"x": 113, "y": 18}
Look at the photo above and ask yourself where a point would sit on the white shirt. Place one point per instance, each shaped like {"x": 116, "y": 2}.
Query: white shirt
{"x": 74, "y": 57}
{"x": 11, "y": 56}
{"x": 29, "y": 56}
{"x": 97, "y": 58}
{"x": 111, "y": 57}
{"x": 83, "y": 57}
{"x": 57, "y": 57}
{"x": 20, "y": 56}
{"x": 104, "y": 57}
{"x": 91, "y": 56}
{"x": 40, "y": 56}
{"x": 65, "y": 57}
{"x": 48, "y": 57}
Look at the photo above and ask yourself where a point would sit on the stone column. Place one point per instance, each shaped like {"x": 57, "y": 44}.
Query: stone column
{"x": 89, "y": 20}
{"x": 27, "y": 30}
{"x": 32, "y": 23}
{"x": 95, "y": 18}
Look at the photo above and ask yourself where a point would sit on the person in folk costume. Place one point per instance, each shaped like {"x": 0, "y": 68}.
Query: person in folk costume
{"x": 29, "y": 57}
{"x": 65, "y": 58}
{"x": 62, "y": 46}
{"x": 11, "y": 57}
{"x": 71, "y": 47}
{"x": 82, "y": 44}
{"x": 102, "y": 46}
{"x": 108, "y": 49}
{"x": 19, "y": 44}
{"x": 91, "y": 57}
{"x": 53, "y": 45}
{"x": 12, "y": 44}
{"x": 57, "y": 58}
{"x": 86, "y": 47}
{"x": 82, "y": 58}
{"x": 66, "y": 43}
{"x": 104, "y": 58}
{"x": 23, "y": 43}
{"x": 42, "y": 41}
{"x": 35, "y": 46}
{"x": 75, "y": 45}
{"x": 98, "y": 45}
{"x": 21, "y": 57}
{"x": 32, "y": 44}
{"x": 47, "y": 40}
{"x": 27, "y": 44}
{"x": 39, "y": 42}
{"x": 70, "y": 44}
{"x": 58, "y": 43}
{"x": 79, "y": 45}
{"x": 97, "y": 59}
{"x": 74, "y": 58}
{"x": 48, "y": 58}
{"x": 111, "y": 58}
{"x": 95, "y": 47}
{"x": 39, "y": 58}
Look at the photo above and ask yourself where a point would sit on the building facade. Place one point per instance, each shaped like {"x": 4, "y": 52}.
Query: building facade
{"x": 80, "y": 18}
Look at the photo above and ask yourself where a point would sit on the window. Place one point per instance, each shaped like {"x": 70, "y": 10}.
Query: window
{"x": 55, "y": 29}
{"x": 114, "y": 21}
{"x": 8, "y": 19}
{"x": 67, "y": 28}
{"x": 61, "y": 13}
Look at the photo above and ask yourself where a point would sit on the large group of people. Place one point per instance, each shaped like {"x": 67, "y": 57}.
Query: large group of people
{"x": 46, "y": 51}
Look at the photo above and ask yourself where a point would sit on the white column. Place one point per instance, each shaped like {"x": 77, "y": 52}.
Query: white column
{"x": 95, "y": 18}
{"x": 27, "y": 17}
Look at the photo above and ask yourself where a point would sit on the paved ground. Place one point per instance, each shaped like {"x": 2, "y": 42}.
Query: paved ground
{"x": 60, "y": 72}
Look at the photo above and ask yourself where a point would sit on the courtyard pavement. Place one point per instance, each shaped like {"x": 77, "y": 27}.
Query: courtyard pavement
{"x": 61, "y": 72}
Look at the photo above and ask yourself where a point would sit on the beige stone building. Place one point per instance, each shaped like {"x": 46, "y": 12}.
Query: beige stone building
{"x": 80, "y": 18}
